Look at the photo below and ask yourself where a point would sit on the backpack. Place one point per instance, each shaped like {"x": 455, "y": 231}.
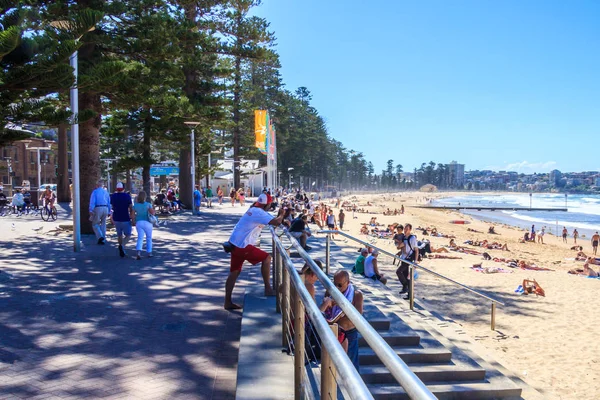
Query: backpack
{"x": 411, "y": 255}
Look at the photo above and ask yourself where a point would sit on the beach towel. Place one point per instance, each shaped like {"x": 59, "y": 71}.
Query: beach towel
{"x": 519, "y": 290}
{"x": 491, "y": 270}
{"x": 536, "y": 268}
{"x": 333, "y": 313}
{"x": 444, "y": 256}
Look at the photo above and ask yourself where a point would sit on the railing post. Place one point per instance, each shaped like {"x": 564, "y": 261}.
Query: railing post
{"x": 285, "y": 308}
{"x": 328, "y": 372}
{"x": 493, "y": 316}
{"x": 327, "y": 253}
{"x": 275, "y": 274}
{"x": 298, "y": 345}
{"x": 411, "y": 290}
{"x": 278, "y": 272}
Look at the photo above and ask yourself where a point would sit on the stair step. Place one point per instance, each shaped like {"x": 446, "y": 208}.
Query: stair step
{"x": 379, "y": 324}
{"x": 460, "y": 390}
{"x": 396, "y": 338}
{"x": 427, "y": 373}
{"x": 409, "y": 354}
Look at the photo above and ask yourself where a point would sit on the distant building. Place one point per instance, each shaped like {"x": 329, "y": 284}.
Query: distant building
{"x": 18, "y": 163}
{"x": 456, "y": 173}
{"x": 555, "y": 176}
{"x": 598, "y": 181}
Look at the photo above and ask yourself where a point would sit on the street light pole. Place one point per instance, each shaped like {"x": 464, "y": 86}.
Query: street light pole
{"x": 193, "y": 166}
{"x": 74, "y": 94}
{"x": 193, "y": 124}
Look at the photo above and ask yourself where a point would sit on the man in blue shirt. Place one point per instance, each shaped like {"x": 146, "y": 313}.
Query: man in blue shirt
{"x": 197, "y": 200}
{"x": 121, "y": 216}
{"x": 99, "y": 210}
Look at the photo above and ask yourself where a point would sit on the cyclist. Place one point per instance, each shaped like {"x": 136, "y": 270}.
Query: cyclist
{"x": 48, "y": 197}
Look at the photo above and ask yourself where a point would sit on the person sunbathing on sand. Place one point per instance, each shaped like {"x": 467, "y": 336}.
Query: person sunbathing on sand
{"x": 531, "y": 286}
{"x": 578, "y": 248}
{"x": 586, "y": 271}
{"x": 364, "y": 230}
{"x": 592, "y": 260}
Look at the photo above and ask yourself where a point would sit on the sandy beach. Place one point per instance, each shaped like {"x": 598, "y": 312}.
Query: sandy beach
{"x": 551, "y": 342}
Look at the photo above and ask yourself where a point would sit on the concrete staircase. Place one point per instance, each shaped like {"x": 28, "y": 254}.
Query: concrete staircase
{"x": 435, "y": 350}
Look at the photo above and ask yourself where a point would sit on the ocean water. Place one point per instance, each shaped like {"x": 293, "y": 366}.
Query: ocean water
{"x": 583, "y": 211}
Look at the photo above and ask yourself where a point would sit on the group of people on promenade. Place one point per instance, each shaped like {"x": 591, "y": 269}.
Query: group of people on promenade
{"x": 124, "y": 214}
{"x": 242, "y": 247}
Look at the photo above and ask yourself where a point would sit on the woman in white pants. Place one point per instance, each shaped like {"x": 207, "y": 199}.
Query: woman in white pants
{"x": 140, "y": 218}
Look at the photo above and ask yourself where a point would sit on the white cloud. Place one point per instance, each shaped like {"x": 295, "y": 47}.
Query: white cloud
{"x": 526, "y": 167}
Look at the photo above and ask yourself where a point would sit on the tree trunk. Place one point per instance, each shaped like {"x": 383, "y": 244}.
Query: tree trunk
{"x": 128, "y": 183}
{"x": 185, "y": 179}
{"x": 162, "y": 182}
{"x": 237, "y": 89}
{"x": 114, "y": 179}
{"x": 89, "y": 156}
{"x": 190, "y": 73}
{"x": 63, "y": 192}
{"x": 146, "y": 155}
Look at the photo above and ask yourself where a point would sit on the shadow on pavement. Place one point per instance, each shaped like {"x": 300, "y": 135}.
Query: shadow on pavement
{"x": 94, "y": 324}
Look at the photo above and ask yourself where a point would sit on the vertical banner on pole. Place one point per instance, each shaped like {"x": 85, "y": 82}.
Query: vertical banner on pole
{"x": 260, "y": 130}
{"x": 264, "y": 132}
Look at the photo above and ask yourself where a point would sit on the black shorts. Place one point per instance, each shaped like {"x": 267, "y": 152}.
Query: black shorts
{"x": 331, "y": 226}
{"x": 595, "y": 243}
{"x": 376, "y": 277}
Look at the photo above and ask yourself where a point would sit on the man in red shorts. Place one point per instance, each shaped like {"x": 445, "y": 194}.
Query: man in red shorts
{"x": 242, "y": 238}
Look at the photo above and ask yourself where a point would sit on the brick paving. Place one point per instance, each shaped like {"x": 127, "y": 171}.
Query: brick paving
{"x": 93, "y": 325}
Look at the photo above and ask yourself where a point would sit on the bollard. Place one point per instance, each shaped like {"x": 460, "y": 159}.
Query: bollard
{"x": 328, "y": 372}
{"x": 493, "y": 316}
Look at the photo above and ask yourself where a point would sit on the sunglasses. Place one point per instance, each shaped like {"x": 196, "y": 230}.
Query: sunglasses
{"x": 339, "y": 285}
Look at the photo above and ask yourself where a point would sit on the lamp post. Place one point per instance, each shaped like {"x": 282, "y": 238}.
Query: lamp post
{"x": 290, "y": 178}
{"x": 39, "y": 164}
{"x": 74, "y": 95}
{"x": 193, "y": 124}
{"x": 108, "y": 169}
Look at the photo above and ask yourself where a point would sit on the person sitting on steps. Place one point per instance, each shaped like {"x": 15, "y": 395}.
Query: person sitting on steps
{"x": 300, "y": 230}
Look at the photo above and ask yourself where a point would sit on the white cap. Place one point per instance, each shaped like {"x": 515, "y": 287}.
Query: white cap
{"x": 120, "y": 186}
{"x": 262, "y": 199}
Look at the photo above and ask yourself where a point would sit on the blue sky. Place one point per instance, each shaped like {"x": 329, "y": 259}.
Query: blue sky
{"x": 511, "y": 84}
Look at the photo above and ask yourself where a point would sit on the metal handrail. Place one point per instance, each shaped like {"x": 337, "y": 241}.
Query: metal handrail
{"x": 348, "y": 375}
{"x": 415, "y": 265}
{"x": 413, "y": 386}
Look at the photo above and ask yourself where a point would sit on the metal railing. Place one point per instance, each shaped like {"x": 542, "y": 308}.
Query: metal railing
{"x": 334, "y": 361}
{"x": 412, "y": 266}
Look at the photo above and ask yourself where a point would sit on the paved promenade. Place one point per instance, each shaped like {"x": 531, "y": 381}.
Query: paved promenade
{"x": 94, "y": 325}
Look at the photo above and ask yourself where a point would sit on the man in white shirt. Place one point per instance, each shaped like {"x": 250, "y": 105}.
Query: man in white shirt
{"x": 410, "y": 252}
{"x": 244, "y": 236}
{"x": 99, "y": 211}
{"x": 372, "y": 269}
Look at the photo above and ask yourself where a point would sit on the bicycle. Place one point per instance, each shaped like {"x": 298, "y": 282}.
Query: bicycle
{"x": 48, "y": 212}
